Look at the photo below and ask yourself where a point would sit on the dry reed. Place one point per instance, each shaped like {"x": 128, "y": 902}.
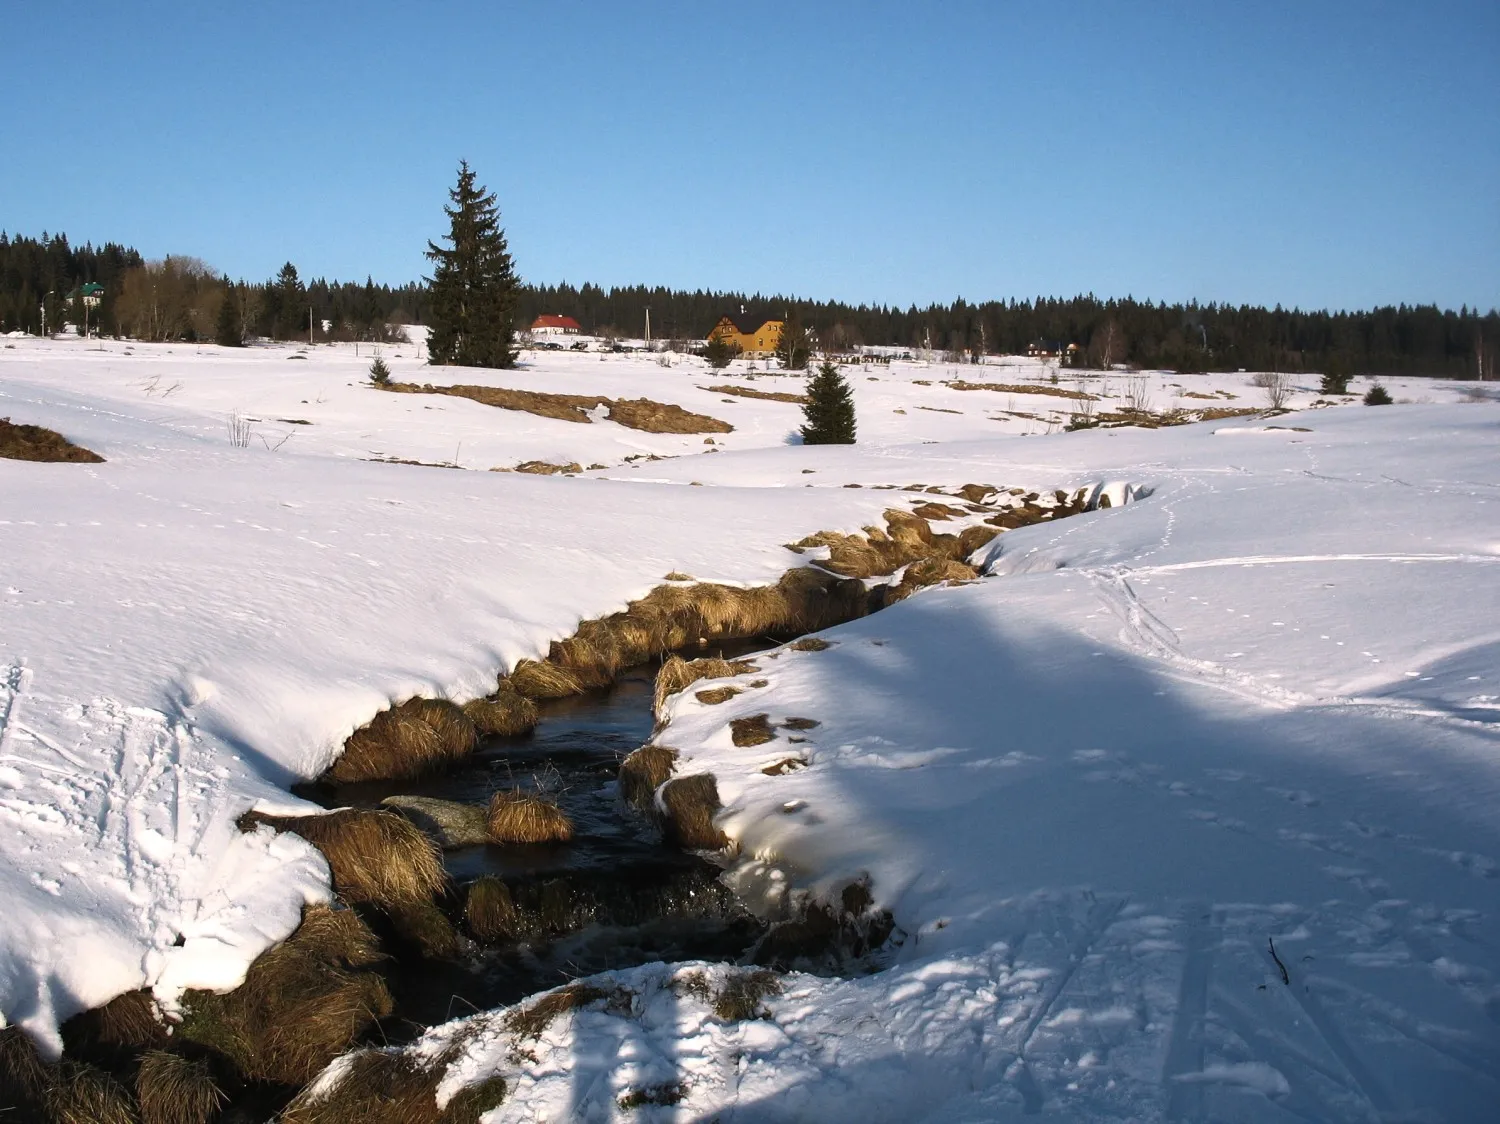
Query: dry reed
{"x": 517, "y": 816}
{"x": 739, "y": 997}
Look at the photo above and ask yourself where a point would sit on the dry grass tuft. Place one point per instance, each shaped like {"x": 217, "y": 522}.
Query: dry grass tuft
{"x": 663, "y": 417}
{"x": 302, "y": 1003}
{"x": 690, "y": 804}
{"x": 543, "y": 468}
{"x": 172, "y": 1089}
{"x": 23, "y": 1075}
{"x": 472, "y": 1101}
{"x": 749, "y": 392}
{"x": 643, "y": 772}
{"x": 810, "y": 644}
{"x": 537, "y": 679}
{"x": 801, "y": 723}
{"x": 754, "y": 730}
{"x": 784, "y": 766}
{"x": 532, "y": 1021}
{"x": 408, "y": 740}
{"x": 517, "y": 816}
{"x": 739, "y": 998}
{"x": 506, "y": 713}
{"x": 677, "y": 674}
{"x": 716, "y": 695}
{"x": 375, "y": 856}
{"x": 34, "y": 443}
{"x": 425, "y": 926}
{"x": 972, "y": 538}
{"x": 125, "y": 1024}
{"x": 375, "y": 1087}
{"x": 489, "y": 910}
{"x": 667, "y": 1093}
{"x": 977, "y": 493}
{"x": 678, "y": 576}
{"x": 82, "y": 1094}
{"x": 937, "y": 511}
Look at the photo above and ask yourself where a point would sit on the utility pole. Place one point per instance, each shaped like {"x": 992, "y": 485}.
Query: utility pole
{"x": 648, "y": 327}
{"x": 309, "y": 325}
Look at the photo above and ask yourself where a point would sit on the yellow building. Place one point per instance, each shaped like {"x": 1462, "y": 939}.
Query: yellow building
{"x": 754, "y": 337}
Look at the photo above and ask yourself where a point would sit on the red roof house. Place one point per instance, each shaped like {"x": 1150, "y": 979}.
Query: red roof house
{"x": 564, "y": 324}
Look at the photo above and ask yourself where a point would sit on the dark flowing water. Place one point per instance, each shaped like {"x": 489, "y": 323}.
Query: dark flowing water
{"x": 614, "y": 896}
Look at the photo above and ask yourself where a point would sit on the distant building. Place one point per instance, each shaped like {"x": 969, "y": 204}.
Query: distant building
{"x": 555, "y": 326}
{"x": 754, "y": 336}
{"x": 1052, "y": 349}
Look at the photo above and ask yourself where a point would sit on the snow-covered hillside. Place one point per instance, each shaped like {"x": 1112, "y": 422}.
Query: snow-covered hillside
{"x": 1258, "y": 704}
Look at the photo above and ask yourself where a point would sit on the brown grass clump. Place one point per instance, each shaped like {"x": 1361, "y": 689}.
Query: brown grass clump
{"x": 972, "y": 538}
{"x": 171, "y": 1089}
{"x": 82, "y": 1094}
{"x": 739, "y": 998}
{"x": 375, "y": 856}
{"x": 690, "y": 804}
{"x": 801, "y": 723}
{"x": 678, "y": 576}
{"x": 784, "y": 766}
{"x": 302, "y": 1003}
{"x": 939, "y": 511}
{"x": 408, "y": 740}
{"x": 667, "y": 1093}
{"x": 425, "y": 926}
{"x": 517, "y": 816}
{"x": 677, "y": 673}
{"x": 506, "y": 713}
{"x": 537, "y": 679}
{"x": 23, "y": 1075}
{"x": 749, "y": 392}
{"x": 543, "y": 468}
{"x": 392, "y": 1087}
{"x": 633, "y": 413}
{"x": 810, "y": 644}
{"x": 120, "y": 1028}
{"x": 533, "y": 1020}
{"x": 716, "y": 695}
{"x": 34, "y": 443}
{"x": 643, "y": 772}
{"x": 1024, "y": 388}
{"x": 754, "y": 730}
{"x": 489, "y": 910}
{"x": 977, "y": 493}
{"x": 663, "y": 417}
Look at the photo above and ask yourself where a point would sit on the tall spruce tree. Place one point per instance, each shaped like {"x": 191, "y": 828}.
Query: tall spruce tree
{"x": 227, "y": 329}
{"x": 292, "y": 312}
{"x": 829, "y": 412}
{"x": 472, "y": 314}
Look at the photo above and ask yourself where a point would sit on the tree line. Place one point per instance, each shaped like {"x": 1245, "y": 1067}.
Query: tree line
{"x": 181, "y": 298}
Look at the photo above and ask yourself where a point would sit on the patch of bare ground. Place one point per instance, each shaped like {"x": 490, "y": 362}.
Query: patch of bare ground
{"x": 543, "y": 468}
{"x": 633, "y": 413}
{"x": 375, "y": 856}
{"x": 716, "y": 695}
{"x": 35, "y": 443}
{"x": 1024, "y": 388}
{"x": 750, "y": 392}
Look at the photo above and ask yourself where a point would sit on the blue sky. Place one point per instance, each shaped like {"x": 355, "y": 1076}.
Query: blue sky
{"x": 1302, "y": 152}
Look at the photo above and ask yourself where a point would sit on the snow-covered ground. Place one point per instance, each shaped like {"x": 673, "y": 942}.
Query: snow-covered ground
{"x": 1258, "y": 704}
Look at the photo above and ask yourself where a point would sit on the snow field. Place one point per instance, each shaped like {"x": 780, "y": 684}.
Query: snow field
{"x": 1257, "y": 703}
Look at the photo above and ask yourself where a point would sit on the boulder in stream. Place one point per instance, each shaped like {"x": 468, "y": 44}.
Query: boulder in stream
{"x": 450, "y": 822}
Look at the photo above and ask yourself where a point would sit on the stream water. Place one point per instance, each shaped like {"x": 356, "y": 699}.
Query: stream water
{"x": 614, "y": 896}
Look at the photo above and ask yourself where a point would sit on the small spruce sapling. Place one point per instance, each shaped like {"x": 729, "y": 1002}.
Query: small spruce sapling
{"x": 720, "y": 352}
{"x": 1335, "y": 377}
{"x": 380, "y": 374}
{"x": 829, "y": 412}
{"x": 1377, "y": 395}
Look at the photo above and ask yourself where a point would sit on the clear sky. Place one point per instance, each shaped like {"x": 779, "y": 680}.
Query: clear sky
{"x": 1304, "y": 152}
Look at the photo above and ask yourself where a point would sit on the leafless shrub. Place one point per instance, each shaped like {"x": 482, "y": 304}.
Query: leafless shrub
{"x": 1278, "y": 388}
{"x": 241, "y": 430}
